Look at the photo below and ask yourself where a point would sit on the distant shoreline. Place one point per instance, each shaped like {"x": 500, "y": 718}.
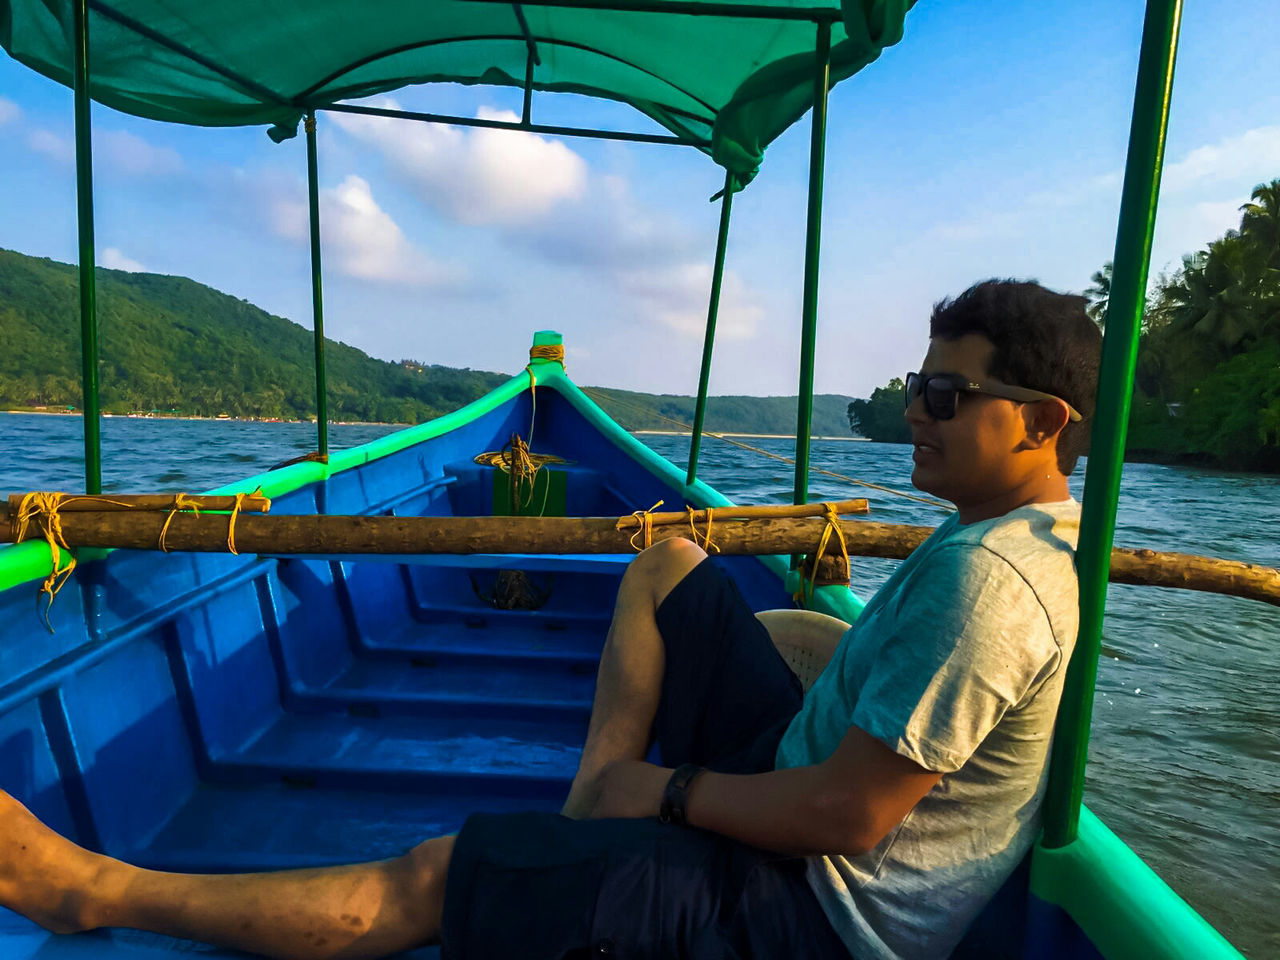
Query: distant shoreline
{"x": 194, "y": 418}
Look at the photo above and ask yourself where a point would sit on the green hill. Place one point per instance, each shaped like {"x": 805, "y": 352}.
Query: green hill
{"x": 171, "y": 345}
{"x": 729, "y": 414}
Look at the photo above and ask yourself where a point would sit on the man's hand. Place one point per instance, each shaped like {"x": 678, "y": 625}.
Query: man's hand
{"x": 630, "y": 788}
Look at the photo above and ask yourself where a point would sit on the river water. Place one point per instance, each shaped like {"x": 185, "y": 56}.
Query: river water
{"x": 1185, "y": 752}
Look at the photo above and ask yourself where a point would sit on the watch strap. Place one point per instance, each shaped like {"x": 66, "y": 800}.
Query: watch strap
{"x": 676, "y": 794}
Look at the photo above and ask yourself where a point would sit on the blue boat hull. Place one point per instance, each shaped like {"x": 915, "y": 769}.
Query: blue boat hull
{"x": 202, "y": 712}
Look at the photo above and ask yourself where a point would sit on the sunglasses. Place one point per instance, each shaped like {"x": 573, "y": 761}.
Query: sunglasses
{"x": 940, "y": 391}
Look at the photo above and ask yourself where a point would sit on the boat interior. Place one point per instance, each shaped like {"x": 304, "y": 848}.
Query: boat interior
{"x": 287, "y": 712}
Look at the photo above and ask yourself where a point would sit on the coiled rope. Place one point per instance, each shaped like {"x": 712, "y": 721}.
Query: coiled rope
{"x": 516, "y": 460}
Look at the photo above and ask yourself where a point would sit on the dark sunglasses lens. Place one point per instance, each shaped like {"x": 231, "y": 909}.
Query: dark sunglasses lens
{"x": 940, "y": 399}
{"x": 912, "y": 387}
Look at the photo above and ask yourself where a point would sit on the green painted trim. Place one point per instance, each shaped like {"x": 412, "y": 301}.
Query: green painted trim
{"x": 24, "y": 563}
{"x": 1120, "y": 903}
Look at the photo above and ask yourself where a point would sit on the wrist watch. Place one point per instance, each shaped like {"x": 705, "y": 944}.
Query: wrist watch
{"x": 676, "y": 794}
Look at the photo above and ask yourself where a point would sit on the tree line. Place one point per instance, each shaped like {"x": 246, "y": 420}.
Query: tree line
{"x": 1207, "y": 388}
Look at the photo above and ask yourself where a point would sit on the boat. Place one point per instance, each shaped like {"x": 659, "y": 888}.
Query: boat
{"x": 226, "y": 712}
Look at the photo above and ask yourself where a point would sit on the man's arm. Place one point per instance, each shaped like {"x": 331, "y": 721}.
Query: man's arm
{"x": 844, "y": 805}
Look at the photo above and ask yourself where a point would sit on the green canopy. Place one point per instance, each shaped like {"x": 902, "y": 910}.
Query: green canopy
{"x": 732, "y": 83}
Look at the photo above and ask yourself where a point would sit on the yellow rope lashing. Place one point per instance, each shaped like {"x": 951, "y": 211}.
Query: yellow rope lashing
{"x": 706, "y": 543}
{"x": 645, "y": 533}
{"x": 45, "y": 509}
{"x": 180, "y": 502}
{"x": 805, "y": 594}
{"x": 46, "y": 504}
{"x": 231, "y": 524}
{"x": 547, "y": 351}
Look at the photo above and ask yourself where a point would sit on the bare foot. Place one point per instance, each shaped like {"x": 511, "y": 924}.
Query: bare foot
{"x": 44, "y": 876}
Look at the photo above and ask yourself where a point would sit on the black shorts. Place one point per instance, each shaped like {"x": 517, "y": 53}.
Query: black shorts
{"x": 538, "y": 885}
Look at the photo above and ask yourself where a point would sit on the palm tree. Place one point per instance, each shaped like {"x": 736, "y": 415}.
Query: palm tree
{"x": 1261, "y": 223}
{"x": 1218, "y": 298}
{"x": 1100, "y": 294}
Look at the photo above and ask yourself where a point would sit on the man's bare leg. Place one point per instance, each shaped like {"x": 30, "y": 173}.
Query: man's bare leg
{"x": 629, "y": 683}
{"x": 356, "y": 912}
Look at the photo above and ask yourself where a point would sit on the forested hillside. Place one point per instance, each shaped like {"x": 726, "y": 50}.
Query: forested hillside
{"x": 173, "y": 346}
{"x": 169, "y": 344}
{"x": 645, "y": 411}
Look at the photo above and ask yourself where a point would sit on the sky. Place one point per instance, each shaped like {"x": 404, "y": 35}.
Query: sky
{"x": 989, "y": 142}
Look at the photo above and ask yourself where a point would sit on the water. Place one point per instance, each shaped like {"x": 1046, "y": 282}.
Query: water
{"x": 1185, "y": 753}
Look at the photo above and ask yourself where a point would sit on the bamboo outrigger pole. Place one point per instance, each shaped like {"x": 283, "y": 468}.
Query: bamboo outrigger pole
{"x": 754, "y": 531}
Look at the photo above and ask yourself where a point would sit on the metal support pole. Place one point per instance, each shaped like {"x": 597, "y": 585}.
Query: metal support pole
{"x": 1106, "y": 458}
{"x": 532, "y": 59}
{"x": 713, "y": 308}
{"x": 317, "y": 287}
{"x": 526, "y": 115}
{"x": 809, "y": 308}
{"x": 544, "y": 128}
{"x": 88, "y": 289}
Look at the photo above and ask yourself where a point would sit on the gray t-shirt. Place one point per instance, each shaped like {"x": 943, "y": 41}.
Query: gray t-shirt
{"x": 957, "y": 663}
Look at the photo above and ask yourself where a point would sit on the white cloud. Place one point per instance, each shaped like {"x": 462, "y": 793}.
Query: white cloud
{"x": 1251, "y": 156}
{"x": 475, "y": 175}
{"x": 545, "y": 199}
{"x": 52, "y": 145}
{"x": 113, "y": 259}
{"x": 129, "y": 154}
{"x": 9, "y": 111}
{"x": 361, "y": 238}
{"x": 677, "y": 297}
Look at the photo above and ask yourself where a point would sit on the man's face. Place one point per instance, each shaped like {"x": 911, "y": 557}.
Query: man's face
{"x": 969, "y": 459}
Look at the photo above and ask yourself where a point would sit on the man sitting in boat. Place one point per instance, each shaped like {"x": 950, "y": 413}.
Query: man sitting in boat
{"x": 873, "y": 816}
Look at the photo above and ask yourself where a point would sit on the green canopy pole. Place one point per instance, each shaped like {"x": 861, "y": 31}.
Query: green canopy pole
{"x": 317, "y": 288}
{"x": 809, "y": 309}
{"x": 1106, "y": 458}
{"x": 713, "y": 308}
{"x": 88, "y": 288}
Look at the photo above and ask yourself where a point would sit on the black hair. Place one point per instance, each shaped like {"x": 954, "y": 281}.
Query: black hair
{"x": 1043, "y": 340}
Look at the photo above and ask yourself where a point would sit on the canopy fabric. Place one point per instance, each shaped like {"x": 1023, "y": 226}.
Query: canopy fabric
{"x": 734, "y": 81}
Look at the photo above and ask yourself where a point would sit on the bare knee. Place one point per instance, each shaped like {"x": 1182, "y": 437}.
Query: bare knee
{"x": 424, "y": 870}
{"x": 665, "y": 564}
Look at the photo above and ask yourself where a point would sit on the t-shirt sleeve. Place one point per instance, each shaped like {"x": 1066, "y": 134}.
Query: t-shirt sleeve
{"x": 968, "y": 640}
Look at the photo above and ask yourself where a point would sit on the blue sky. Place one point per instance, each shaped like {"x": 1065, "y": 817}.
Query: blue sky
{"x": 989, "y": 142}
